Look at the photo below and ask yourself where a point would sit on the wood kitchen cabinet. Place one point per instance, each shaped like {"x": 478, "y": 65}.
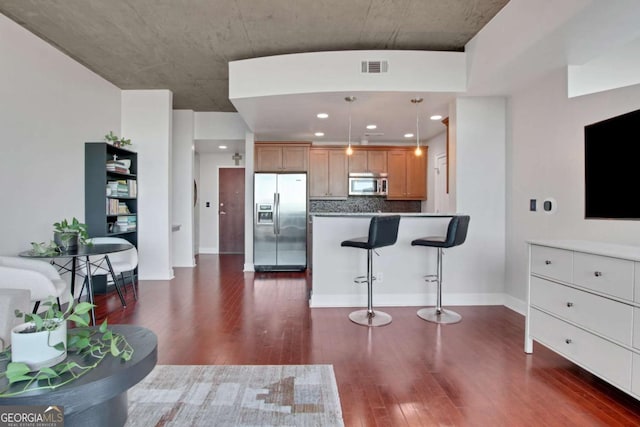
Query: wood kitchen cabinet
{"x": 372, "y": 161}
{"x": 281, "y": 157}
{"x": 328, "y": 173}
{"x": 407, "y": 175}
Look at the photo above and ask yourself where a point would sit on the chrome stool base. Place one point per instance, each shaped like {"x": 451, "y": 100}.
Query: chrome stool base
{"x": 364, "y": 318}
{"x": 443, "y": 316}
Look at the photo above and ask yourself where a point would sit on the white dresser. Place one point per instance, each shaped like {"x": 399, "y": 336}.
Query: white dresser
{"x": 584, "y": 303}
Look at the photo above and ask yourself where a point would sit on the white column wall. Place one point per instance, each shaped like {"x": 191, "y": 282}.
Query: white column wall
{"x": 248, "y": 203}
{"x": 50, "y": 105}
{"x": 147, "y": 121}
{"x": 183, "y": 174}
{"x": 480, "y": 141}
{"x": 437, "y": 146}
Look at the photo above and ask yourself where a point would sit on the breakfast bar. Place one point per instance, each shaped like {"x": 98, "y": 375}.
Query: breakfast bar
{"x": 399, "y": 270}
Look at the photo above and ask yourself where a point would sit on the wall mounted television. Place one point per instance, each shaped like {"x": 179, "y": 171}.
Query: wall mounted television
{"x": 612, "y": 168}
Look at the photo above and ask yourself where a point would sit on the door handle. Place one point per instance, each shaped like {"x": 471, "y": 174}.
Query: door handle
{"x": 223, "y": 213}
{"x": 276, "y": 223}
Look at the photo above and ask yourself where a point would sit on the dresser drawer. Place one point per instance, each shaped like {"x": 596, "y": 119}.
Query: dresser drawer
{"x": 611, "y": 276}
{"x": 551, "y": 262}
{"x": 635, "y": 377}
{"x": 636, "y": 292}
{"x": 636, "y": 328}
{"x": 600, "y": 356}
{"x": 607, "y": 317}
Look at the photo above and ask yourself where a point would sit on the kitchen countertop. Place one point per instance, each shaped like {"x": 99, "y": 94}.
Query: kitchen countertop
{"x": 367, "y": 214}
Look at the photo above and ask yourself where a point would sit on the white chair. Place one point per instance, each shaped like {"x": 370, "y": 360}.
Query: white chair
{"x": 121, "y": 262}
{"x": 40, "y": 278}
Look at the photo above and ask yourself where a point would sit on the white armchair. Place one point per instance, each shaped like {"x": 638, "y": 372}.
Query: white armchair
{"x": 122, "y": 262}
{"x": 40, "y": 278}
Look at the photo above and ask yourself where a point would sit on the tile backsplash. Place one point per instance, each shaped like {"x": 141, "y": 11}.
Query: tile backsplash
{"x": 363, "y": 204}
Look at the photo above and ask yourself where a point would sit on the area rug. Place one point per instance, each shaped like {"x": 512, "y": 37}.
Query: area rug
{"x": 290, "y": 395}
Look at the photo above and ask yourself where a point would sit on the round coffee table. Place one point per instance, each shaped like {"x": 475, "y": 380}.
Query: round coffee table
{"x": 99, "y": 397}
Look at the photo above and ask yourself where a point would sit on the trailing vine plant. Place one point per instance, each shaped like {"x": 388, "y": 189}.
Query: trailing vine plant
{"x": 90, "y": 343}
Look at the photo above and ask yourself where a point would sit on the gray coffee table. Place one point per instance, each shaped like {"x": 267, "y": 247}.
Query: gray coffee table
{"x": 99, "y": 397}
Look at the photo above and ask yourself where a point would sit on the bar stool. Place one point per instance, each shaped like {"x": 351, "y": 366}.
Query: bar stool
{"x": 456, "y": 235}
{"x": 383, "y": 231}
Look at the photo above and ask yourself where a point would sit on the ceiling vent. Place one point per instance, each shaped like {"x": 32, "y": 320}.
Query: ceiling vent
{"x": 373, "y": 133}
{"x": 375, "y": 67}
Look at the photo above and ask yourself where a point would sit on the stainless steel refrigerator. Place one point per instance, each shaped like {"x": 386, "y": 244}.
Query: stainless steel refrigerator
{"x": 280, "y": 222}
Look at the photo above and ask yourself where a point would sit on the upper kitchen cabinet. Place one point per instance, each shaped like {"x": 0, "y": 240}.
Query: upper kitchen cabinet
{"x": 282, "y": 157}
{"x": 372, "y": 161}
{"x": 328, "y": 178}
{"x": 407, "y": 175}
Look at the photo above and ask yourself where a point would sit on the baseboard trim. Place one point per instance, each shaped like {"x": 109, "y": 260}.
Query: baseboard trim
{"x": 213, "y": 250}
{"x": 515, "y": 304}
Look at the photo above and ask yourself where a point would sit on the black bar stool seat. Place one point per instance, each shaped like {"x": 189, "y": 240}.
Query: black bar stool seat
{"x": 383, "y": 231}
{"x": 456, "y": 235}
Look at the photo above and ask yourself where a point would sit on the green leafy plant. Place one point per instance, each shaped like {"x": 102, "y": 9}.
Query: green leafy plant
{"x": 116, "y": 141}
{"x": 45, "y": 249}
{"x": 90, "y": 343}
{"x": 68, "y": 229}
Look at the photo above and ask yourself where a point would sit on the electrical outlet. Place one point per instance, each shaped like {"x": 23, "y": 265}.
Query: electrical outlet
{"x": 379, "y": 277}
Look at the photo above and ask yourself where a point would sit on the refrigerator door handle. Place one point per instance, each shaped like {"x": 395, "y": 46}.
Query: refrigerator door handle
{"x": 276, "y": 211}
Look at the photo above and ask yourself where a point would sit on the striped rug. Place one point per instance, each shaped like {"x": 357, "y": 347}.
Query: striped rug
{"x": 222, "y": 395}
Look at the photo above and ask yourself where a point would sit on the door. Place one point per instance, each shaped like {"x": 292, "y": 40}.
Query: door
{"x": 291, "y": 217}
{"x": 441, "y": 197}
{"x": 268, "y": 158}
{"x": 264, "y": 219}
{"x": 397, "y": 164}
{"x": 318, "y": 173}
{"x": 231, "y": 210}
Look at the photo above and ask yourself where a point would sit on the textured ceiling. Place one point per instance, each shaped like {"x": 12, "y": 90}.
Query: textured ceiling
{"x": 185, "y": 46}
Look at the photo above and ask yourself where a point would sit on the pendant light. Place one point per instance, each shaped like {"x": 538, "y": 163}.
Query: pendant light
{"x": 350, "y": 100}
{"x": 418, "y": 150}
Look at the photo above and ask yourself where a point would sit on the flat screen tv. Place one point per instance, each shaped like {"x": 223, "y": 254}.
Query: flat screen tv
{"x": 612, "y": 168}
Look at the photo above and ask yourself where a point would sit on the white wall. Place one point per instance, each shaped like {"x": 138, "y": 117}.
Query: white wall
{"x": 219, "y": 126}
{"x": 183, "y": 175}
{"x": 248, "y": 201}
{"x": 437, "y": 146}
{"x": 196, "y": 208}
{"x": 50, "y": 105}
{"x": 147, "y": 119}
{"x": 208, "y": 187}
{"x": 479, "y": 145}
{"x": 546, "y": 154}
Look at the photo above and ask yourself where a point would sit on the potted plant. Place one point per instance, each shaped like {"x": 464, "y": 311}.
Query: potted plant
{"x": 41, "y": 341}
{"x": 91, "y": 344}
{"x": 67, "y": 234}
{"x": 116, "y": 141}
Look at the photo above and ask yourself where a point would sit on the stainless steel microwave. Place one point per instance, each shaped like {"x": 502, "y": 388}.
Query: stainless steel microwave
{"x": 367, "y": 184}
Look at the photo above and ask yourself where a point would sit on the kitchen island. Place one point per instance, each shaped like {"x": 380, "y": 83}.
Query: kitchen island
{"x": 400, "y": 269}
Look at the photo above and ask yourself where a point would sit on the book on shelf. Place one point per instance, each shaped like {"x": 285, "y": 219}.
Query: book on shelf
{"x": 123, "y": 208}
{"x": 116, "y": 166}
{"x": 123, "y": 188}
{"x": 126, "y": 223}
{"x": 112, "y": 206}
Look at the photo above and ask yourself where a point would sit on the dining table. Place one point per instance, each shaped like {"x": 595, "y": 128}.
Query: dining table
{"x": 82, "y": 255}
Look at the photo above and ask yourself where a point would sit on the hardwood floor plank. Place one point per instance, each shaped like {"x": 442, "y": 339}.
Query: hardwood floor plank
{"x": 409, "y": 373}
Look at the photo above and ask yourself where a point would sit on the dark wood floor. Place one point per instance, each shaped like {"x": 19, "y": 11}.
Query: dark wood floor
{"x": 409, "y": 373}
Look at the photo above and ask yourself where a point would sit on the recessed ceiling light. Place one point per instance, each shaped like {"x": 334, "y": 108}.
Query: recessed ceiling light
{"x": 222, "y": 147}
{"x": 408, "y": 135}
{"x": 436, "y": 117}
{"x": 319, "y": 134}
{"x": 322, "y": 115}
{"x": 372, "y": 127}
